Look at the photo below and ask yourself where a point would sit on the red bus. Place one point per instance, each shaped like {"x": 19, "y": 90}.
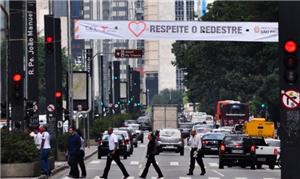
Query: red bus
{"x": 231, "y": 112}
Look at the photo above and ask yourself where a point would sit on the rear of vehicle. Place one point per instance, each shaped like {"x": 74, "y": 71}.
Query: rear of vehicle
{"x": 211, "y": 143}
{"x": 127, "y": 143}
{"x": 185, "y": 129}
{"x": 103, "y": 147}
{"x": 264, "y": 154}
{"x": 132, "y": 135}
{"x": 234, "y": 113}
{"x": 171, "y": 140}
{"x": 139, "y": 134}
{"x": 276, "y": 144}
{"x": 236, "y": 150}
{"x": 259, "y": 127}
{"x": 202, "y": 130}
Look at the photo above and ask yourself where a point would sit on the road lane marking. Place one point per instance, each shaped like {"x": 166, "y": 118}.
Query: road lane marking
{"x": 134, "y": 162}
{"x": 269, "y": 178}
{"x": 241, "y": 178}
{"x": 142, "y": 145}
{"x": 113, "y": 162}
{"x": 174, "y": 163}
{"x": 219, "y": 173}
{"x": 131, "y": 177}
{"x": 66, "y": 177}
{"x": 185, "y": 178}
{"x": 213, "y": 164}
{"x": 213, "y": 177}
{"x": 95, "y": 162}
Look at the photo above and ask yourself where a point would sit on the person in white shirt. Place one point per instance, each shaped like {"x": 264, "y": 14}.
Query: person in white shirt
{"x": 114, "y": 154}
{"x": 45, "y": 150}
{"x": 196, "y": 153}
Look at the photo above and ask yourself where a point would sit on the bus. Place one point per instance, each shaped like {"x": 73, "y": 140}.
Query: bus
{"x": 230, "y": 113}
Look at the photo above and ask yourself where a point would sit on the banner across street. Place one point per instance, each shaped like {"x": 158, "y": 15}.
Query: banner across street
{"x": 177, "y": 30}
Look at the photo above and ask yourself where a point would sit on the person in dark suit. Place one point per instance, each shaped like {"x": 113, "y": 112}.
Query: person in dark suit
{"x": 74, "y": 144}
{"x": 151, "y": 152}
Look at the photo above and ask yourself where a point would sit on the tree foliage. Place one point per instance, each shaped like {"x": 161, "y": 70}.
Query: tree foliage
{"x": 231, "y": 70}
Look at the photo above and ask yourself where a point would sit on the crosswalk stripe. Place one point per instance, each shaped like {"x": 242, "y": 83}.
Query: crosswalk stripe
{"x": 174, "y": 163}
{"x": 142, "y": 145}
{"x": 95, "y": 162}
{"x": 131, "y": 177}
{"x": 240, "y": 178}
{"x": 184, "y": 177}
{"x": 213, "y": 177}
{"x": 113, "y": 162}
{"x": 269, "y": 178}
{"x": 213, "y": 164}
{"x": 134, "y": 162}
{"x": 153, "y": 177}
{"x": 66, "y": 177}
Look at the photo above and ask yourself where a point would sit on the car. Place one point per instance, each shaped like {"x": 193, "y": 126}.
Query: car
{"x": 185, "y": 129}
{"x": 202, "y": 130}
{"x": 170, "y": 140}
{"x": 265, "y": 154}
{"x": 103, "y": 148}
{"x": 129, "y": 146}
{"x": 275, "y": 143}
{"x": 145, "y": 122}
{"x": 237, "y": 149}
{"x": 126, "y": 122}
{"x": 132, "y": 135}
{"x": 211, "y": 143}
{"x": 139, "y": 133}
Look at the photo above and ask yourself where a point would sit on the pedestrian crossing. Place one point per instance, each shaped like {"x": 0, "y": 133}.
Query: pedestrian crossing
{"x": 181, "y": 177}
{"x": 172, "y": 163}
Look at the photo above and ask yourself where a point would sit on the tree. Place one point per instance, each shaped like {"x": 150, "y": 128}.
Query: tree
{"x": 167, "y": 96}
{"x": 231, "y": 70}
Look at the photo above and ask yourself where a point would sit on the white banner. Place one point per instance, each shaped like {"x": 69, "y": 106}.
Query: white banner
{"x": 177, "y": 30}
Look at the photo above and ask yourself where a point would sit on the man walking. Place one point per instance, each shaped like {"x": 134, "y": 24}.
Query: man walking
{"x": 113, "y": 155}
{"x": 196, "y": 153}
{"x": 74, "y": 144}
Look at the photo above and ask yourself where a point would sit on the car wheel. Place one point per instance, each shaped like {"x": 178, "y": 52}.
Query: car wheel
{"x": 272, "y": 166}
{"x": 221, "y": 164}
{"x": 258, "y": 166}
{"x": 252, "y": 166}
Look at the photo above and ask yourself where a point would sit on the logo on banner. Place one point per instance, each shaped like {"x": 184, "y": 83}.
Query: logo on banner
{"x": 290, "y": 99}
{"x": 137, "y": 27}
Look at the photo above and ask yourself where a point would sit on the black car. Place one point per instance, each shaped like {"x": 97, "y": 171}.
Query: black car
{"x": 211, "y": 143}
{"x": 185, "y": 129}
{"x": 237, "y": 149}
{"x": 132, "y": 135}
{"x": 103, "y": 148}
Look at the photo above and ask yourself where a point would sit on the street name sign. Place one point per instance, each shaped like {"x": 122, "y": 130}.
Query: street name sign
{"x": 128, "y": 53}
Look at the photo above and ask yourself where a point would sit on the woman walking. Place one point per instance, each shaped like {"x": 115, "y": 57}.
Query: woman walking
{"x": 81, "y": 155}
{"x": 151, "y": 152}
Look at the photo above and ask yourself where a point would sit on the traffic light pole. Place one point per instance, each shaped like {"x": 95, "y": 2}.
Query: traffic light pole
{"x": 289, "y": 42}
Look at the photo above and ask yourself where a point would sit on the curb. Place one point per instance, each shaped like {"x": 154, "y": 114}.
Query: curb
{"x": 65, "y": 166}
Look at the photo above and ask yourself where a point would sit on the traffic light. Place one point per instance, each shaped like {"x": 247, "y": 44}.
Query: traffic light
{"x": 17, "y": 85}
{"x": 290, "y": 61}
{"x": 49, "y": 43}
{"x": 263, "y": 105}
{"x": 58, "y": 98}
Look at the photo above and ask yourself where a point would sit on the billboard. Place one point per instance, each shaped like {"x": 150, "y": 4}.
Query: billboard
{"x": 80, "y": 90}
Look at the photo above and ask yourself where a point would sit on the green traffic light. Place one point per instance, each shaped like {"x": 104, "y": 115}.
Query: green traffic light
{"x": 263, "y": 105}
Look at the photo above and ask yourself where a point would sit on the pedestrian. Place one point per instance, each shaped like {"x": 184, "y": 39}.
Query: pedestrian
{"x": 45, "y": 150}
{"x": 81, "y": 154}
{"x": 114, "y": 154}
{"x": 74, "y": 144}
{"x": 196, "y": 153}
{"x": 151, "y": 152}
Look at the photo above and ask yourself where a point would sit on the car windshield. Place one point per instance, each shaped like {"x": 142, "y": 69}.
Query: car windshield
{"x": 186, "y": 126}
{"x": 274, "y": 143}
{"x": 233, "y": 140}
{"x": 202, "y": 130}
{"x": 213, "y": 137}
{"x": 169, "y": 133}
{"x": 258, "y": 141}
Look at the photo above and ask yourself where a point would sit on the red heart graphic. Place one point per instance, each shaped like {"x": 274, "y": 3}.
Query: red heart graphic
{"x": 137, "y": 32}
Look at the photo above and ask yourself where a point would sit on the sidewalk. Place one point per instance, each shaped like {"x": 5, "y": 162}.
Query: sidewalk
{"x": 59, "y": 166}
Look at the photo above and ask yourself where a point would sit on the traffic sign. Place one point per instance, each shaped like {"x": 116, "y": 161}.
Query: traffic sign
{"x": 290, "y": 99}
{"x": 128, "y": 53}
{"x": 50, "y": 107}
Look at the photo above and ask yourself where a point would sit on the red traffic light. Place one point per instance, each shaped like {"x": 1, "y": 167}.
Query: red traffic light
{"x": 58, "y": 94}
{"x": 49, "y": 39}
{"x": 17, "y": 77}
{"x": 290, "y": 46}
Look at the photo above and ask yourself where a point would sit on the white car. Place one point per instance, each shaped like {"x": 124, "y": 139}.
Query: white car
{"x": 275, "y": 143}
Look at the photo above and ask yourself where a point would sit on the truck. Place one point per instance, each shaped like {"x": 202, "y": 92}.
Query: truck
{"x": 259, "y": 127}
{"x": 164, "y": 116}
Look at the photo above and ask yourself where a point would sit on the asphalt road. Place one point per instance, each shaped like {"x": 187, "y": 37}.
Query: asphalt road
{"x": 173, "y": 166}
